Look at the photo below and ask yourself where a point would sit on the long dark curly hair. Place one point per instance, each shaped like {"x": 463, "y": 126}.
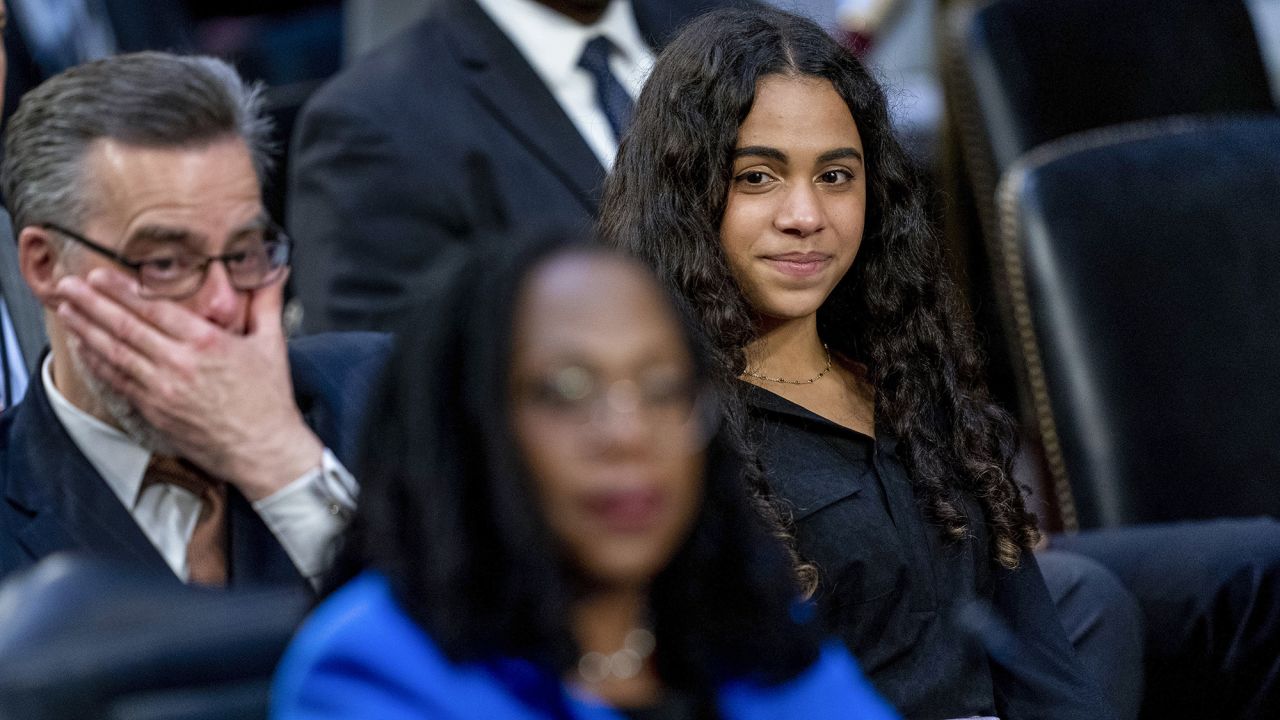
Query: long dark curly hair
{"x": 896, "y": 311}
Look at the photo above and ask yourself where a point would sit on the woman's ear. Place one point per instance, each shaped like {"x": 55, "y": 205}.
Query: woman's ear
{"x": 38, "y": 254}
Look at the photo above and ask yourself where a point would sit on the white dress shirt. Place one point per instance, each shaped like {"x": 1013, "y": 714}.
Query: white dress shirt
{"x": 553, "y": 43}
{"x": 305, "y": 516}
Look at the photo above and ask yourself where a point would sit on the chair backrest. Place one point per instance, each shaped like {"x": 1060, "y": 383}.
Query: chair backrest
{"x": 1143, "y": 264}
{"x": 82, "y": 639}
{"x": 1019, "y": 73}
{"x": 1032, "y": 71}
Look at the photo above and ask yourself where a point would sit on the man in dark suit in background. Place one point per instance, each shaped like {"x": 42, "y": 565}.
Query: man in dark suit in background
{"x": 486, "y": 115}
{"x": 167, "y": 427}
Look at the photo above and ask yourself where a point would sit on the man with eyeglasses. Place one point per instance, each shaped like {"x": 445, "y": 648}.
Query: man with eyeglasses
{"x": 170, "y": 426}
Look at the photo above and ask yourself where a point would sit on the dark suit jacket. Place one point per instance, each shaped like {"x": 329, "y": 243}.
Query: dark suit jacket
{"x": 442, "y": 139}
{"x": 52, "y": 499}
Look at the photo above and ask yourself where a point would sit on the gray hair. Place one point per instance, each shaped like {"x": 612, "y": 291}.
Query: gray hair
{"x": 149, "y": 99}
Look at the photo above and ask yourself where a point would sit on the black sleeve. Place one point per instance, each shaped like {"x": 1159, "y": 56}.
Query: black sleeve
{"x": 1039, "y": 676}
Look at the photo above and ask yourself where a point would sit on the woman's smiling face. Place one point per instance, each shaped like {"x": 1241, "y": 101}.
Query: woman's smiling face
{"x": 797, "y": 200}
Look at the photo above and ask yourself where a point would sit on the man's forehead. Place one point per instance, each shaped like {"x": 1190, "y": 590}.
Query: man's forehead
{"x": 205, "y": 163}
{"x": 202, "y": 187}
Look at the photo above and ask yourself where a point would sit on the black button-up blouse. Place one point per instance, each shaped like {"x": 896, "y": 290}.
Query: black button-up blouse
{"x": 900, "y": 594}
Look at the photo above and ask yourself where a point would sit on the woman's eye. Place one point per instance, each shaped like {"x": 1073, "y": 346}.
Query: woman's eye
{"x": 564, "y": 389}
{"x": 753, "y": 177}
{"x": 834, "y": 177}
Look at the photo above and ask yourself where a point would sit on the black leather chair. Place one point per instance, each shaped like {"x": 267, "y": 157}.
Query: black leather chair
{"x": 1023, "y": 72}
{"x": 1143, "y": 265}
{"x": 1019, "y": 73}
{"x": 80, "y": 639}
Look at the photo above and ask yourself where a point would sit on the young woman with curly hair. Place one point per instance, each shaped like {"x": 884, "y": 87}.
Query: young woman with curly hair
{"x": 761, "y": 178}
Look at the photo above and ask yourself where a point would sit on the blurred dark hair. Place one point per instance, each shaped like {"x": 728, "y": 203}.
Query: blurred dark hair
{"x": 448, "y": 512}
{"x": 895, "y": 311}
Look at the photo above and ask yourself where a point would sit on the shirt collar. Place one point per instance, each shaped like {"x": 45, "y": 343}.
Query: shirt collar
{"x": 553, "y": 43}
{"x": 768, "y": 402}
{"x": 118, "y": 459}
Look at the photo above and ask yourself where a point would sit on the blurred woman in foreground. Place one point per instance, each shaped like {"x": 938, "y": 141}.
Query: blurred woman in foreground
{"x": 554, "y": 526}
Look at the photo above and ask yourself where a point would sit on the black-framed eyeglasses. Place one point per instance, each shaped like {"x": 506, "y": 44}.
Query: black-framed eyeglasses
{"x": 258, "y": 258}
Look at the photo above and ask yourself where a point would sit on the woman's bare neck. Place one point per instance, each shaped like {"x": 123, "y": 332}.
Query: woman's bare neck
{"x": 790, "y": 349}
{"x": 793, "y": 351}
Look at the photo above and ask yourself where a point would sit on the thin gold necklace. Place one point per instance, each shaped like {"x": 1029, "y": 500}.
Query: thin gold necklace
{"x": 810, "y": 381}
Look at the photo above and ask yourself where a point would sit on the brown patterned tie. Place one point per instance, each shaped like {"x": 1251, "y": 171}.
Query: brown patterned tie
{"x": 207, "y": 551}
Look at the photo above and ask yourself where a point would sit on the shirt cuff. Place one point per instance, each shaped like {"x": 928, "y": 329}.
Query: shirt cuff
{"x": 308, "y": 514}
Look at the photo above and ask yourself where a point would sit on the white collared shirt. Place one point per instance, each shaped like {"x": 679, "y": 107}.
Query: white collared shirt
{"x": 305, "y": 516}
{"x": 553, "y": 43}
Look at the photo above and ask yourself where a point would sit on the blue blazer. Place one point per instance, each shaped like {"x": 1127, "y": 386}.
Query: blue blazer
{"x": 52, "y": 499}
{"x": 361, "y": 656}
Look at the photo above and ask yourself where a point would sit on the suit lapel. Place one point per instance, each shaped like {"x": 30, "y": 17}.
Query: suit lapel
{"x": 511, "y": 90}
{"x": 65, "y": 504}
{"x": 256, "y": 556}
